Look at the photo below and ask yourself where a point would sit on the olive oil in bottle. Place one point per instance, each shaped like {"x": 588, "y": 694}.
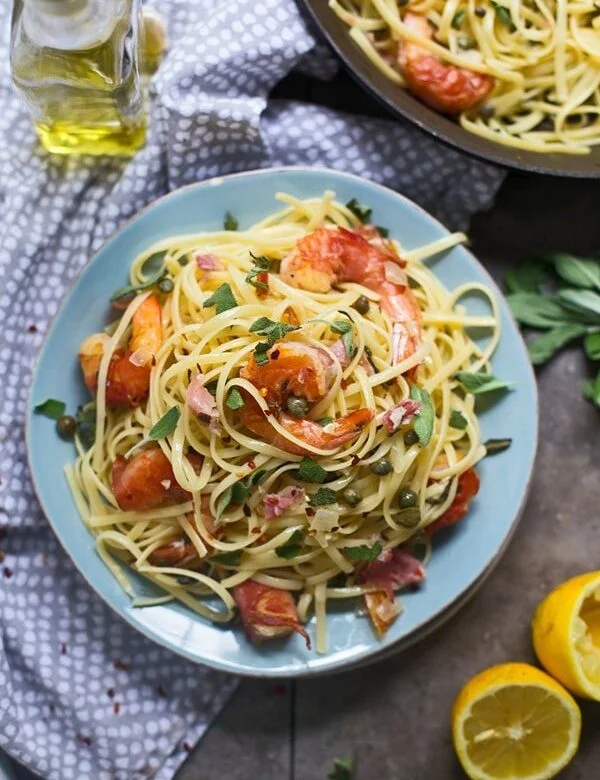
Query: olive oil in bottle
{"x": 77, "y": 63}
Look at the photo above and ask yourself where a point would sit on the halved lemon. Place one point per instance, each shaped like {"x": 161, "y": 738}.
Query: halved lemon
{"x": 566, "y": 634}
{"x": 514, "y": 722}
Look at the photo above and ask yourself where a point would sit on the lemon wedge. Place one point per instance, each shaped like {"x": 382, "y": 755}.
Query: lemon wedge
{"x": 566, "y": 634}
{"x": 514, "y": 722}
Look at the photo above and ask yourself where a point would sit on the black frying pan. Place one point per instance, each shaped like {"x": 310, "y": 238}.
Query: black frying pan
{"x": 399, "y": 101}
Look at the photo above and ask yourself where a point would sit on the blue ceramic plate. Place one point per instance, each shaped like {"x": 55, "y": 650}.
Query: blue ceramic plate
{"x": 461, "y": 556}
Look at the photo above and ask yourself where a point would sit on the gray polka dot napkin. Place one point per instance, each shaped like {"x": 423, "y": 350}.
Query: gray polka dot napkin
{"x": 83, "y": 696}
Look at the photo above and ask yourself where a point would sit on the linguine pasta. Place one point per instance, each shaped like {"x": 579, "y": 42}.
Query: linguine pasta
{"x": 313, "y": 552}
{"x": 543, "y": 55}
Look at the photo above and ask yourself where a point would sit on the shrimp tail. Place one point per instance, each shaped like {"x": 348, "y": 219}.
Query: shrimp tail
{"x": 267, "y": 613}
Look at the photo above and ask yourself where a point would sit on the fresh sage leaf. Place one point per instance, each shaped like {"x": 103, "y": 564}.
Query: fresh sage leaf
{"x": 166, "y": 425}
{"x": 224, "y": 500}
{"x": 239, "y": 492}
{"x": 478, "y": 383}
{"x": 257, "y": 477}
{"x": 579, "y": 271}
{"x": 538, "y": 311}
{"x": 341, "y": 326}
{"x": 528, "y": 276}
{"x": 458, "y": 19}
{"x": 591, "y": 345}
{"x": 494, "y": 446}
{"x": 423, "y": 424}
{"x": 458, "y": 420}
{"x": 585, "y": 302}
{"x": 154, "y": 264}
{"x": 323, "y": 497}
{"x": 548, "y": 344}
{"x": 222, "y": 299}
{"x": 50, "y": 408}
{"x": 325, "y": 421}
{"x": 363, "y": 552}
{"x": 132, "y": 289}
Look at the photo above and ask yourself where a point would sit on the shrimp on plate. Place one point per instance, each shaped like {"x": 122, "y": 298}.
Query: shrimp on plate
{"x": 306, "y": 374}
{"x": 331, "y": 256}
{"x": 128, "y": 377}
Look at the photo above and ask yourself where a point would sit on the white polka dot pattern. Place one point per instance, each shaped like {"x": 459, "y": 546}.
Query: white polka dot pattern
{"x": 84, "y": 697}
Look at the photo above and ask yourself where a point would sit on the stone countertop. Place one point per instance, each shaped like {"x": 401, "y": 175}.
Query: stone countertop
{"x": 393, "y": 717}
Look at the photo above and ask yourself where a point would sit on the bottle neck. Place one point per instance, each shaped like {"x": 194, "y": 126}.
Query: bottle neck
{"x": 71, "y": 25}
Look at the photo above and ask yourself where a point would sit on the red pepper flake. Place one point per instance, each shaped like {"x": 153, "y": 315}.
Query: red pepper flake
{"x": 116, "y": 708}
{"x": 365, "y": 514}
{"x": 121, "y": 666}
{"x": 355, "y": 460}
{"x": 63, "y": 648}
{"x": 187, "y": 747}
{"x": 267, "y": 412}
{"x": 279, "y": 689}
{"x": 275, "y": 354}
{"x": 255, "y": 530}
{"x": 83, "y": 739}
{"x": 161, "y": 691}
{"x": 110, "y": 693}
{"x": 226, "y": 439}
{"x": 8, "y": 573}
{"x": 344, "y": 384}
{"x": 2, "y": 556}
{"x": 250, "y": 463}
{"x": 310, "y": 512}
{"x": 246, "y": 510}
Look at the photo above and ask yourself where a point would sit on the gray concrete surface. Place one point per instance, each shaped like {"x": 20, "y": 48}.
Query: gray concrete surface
{"x": 393, "y": 717}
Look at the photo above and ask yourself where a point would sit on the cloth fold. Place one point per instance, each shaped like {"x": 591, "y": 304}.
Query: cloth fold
{"x": 84, "y": 696}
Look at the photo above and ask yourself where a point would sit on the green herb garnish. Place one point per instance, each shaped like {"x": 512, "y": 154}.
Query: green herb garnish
{"x": 292, "y": 547}
{"x": 342, "y": 769}
{"x": 166, "y": 425}
{"x": 458, "y": 420}
{"x": 503, "y": 15}
{"x": 423, "y": 424}
{"x": 362, "y": 213}
{"x": 458, "y": 19}
{"x": 323, "y": 497}
{"x": 50, "y": 408}
{"x": 310, "y": 471}
{"x": 230, "y": 222}
{"x": 235, "y": 400}
{"x": 132, "y": 289}
{"x": 212, "y": 386}
{"x": 363, "y": 552}
{"x": 383, "y": 231}
{"x": 341, "y": 326}
{"x": 261, "y": 264}
{"x": 274, "y": 331}
{"x": 222, "y": 299}
{"x": 478, "y": 383}
{"x": 233, "y": 558}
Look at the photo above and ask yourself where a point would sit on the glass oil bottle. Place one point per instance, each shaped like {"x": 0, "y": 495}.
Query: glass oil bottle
{"x": 77, "y": 64}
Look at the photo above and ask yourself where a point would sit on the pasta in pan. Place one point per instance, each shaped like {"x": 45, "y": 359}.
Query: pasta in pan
{"x": 523, "y": 73}
{"x": 278, "y": 415}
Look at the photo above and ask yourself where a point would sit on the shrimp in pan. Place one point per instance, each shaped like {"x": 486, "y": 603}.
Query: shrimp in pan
{"x": 303, "y": 375}
{"x": 330, "y": 256}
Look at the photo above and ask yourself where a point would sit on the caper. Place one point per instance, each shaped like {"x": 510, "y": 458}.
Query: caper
{"x": 410, "y": 437}
{"x": 381, "y": 467}
{"x": 183, "y": 260}
{"x": 407, "y": 498}
{"x": 480, "y": 12}
{"x": 297, "y": 405}
{"x": 361, "y": 304}
{"x": 66, "y": 426}
{"x": 409, "y": 518}
{"x": 166, "y": 285}
{"x": 351, "y": 497}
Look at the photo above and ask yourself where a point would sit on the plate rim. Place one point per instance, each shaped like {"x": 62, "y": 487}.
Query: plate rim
{"x": 433, "y": 123}
{"x": 372, "y": 653}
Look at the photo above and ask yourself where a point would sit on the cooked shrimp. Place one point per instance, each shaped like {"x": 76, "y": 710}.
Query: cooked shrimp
{"x": 128, "y": 378}
{"x": 180, "y": 551}
{"x": 445, "y": 88}
{"x": 267, "y": 612}
{"x": 329, "y": 256}
{"x": 146, "y": 480}
{"x": 303, "y": 371}
{"x": 467, "y": 489}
